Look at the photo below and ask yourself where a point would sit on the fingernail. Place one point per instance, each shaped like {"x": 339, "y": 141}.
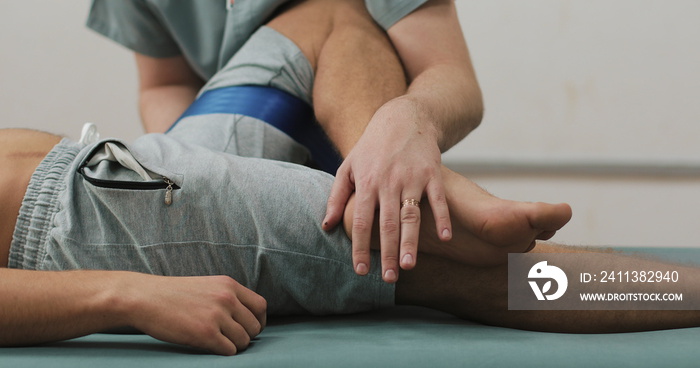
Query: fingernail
{"x": 361, "y": 269}
{"x": 390, "y": 275}
{"x": 446, "y": 234}
{"x": 407, "y": 260}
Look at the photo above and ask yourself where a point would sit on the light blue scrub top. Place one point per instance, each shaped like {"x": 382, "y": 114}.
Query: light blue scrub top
{"x": 204, "y": 31}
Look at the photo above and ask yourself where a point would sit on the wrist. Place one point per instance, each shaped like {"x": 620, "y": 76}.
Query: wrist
{"x": 406, "y": 112}
{"x": 120, "y": 301}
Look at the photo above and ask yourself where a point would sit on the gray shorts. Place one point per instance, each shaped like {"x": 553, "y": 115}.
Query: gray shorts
{"x": 266, "y": 59}
{"x": 254, "y": 219}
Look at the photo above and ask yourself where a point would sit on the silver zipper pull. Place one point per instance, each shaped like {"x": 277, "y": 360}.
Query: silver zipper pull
{"x": 168, "y": 191}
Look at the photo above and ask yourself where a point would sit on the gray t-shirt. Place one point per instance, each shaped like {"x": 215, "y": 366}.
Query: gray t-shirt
{"x": 205, "y": 32}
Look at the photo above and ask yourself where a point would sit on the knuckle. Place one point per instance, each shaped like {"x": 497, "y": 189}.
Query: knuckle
{"x": 226, "y": 281}
{"x": 226, "y": 298}
{"x": 207, "y": 331}
{"x": 332, "y": 199}
{"x": 443, "y": 218}
{"x": 360, "y": 224}
{"x": 396, "y": 176}
{"x": 390, "y": 260}
{"x": 438, "y": 198}
{"x": 389, "y": 226}
{"x": 360, "y": 252}
{"x": 233, "y": 350}
{"x": 409, "y": 245}
{"x": 365, "y": 198}
{"x": 260, "y": 305}
{"x": 426, "y": 171}
{"x": 241, "y": 341}
{"x": 244, "y": 341}
{"x": 207, "y": 335}
{"x": 366, "y": 181}
{"x": 223, "y": 347}
{"x": 256, "y": 329}
{"x": 342, "y": 171}
{"x": 410, "y": 216}
{"x": 337, "y": 195}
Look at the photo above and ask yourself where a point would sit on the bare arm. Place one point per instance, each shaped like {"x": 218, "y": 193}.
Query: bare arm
{"x": 212, "y": 312}
{"x": 167, "y": 86}
{"x": 442, "y": 83}
{"x": 398, "y": 155}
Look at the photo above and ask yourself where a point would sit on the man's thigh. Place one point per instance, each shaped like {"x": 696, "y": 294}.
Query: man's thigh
{"x": 256, "y": 220}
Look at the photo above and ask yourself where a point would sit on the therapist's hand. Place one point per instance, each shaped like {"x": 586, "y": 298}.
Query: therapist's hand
{"x": 397, "y": 159}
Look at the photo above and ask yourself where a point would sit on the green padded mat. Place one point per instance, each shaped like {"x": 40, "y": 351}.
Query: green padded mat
{"x": 396, "y": 337}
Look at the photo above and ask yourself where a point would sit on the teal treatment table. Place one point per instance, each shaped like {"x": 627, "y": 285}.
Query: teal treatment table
{"x": 396, "y": 337}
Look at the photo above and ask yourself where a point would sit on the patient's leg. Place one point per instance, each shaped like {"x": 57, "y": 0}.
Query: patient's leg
{"x": 357, "y": 71}
{"x": 481, "y": 294}
{"x": 355, "y": 65}
{"x": 486, "y": 227}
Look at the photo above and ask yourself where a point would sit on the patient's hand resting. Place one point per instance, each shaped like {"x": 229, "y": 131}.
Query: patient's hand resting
{"x": 214, "y": 313}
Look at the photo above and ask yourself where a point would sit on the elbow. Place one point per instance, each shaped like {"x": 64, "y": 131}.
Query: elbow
{"x": 470, "y": 105}
{"x": 471, "y": 113}
{"x": 475, "y": 114}
{"x": 475, "y": 107}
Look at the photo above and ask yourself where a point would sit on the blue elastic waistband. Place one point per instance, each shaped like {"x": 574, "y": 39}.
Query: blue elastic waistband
{"x": 280, "y": 109}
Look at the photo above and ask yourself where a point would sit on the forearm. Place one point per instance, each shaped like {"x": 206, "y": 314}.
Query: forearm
{"x": 161, "y": 106}
{"x": 40, "y": 306}
{"x": 442, "y": 84}
{"x": 167, "y": 86}
{"x": 214, "y": 313}
{"x": 447, "y": 99}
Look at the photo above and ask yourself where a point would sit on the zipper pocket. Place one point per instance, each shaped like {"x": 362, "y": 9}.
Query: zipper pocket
{"x": 166, "y": 184}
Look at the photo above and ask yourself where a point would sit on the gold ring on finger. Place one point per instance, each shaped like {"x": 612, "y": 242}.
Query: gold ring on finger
{"x": 410, "y": 202}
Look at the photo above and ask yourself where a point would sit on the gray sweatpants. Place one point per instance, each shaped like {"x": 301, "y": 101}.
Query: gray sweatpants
{"x": 254, "y": 219}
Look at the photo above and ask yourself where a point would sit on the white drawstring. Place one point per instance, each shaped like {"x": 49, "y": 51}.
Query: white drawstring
{"x": 89, "y": 134}
{"x": 229, "y": 4}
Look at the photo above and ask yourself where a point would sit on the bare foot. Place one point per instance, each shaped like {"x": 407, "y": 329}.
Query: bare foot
{"x": 484, "y": 228}
{"x": 487, "y": 228}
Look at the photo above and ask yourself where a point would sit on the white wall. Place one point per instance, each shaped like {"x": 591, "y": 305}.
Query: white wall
{"x": 586, "y": 77}
{"x": 581, "y": 91}
{"x": 55, "y": 74}
{"x": 576, "y": 92}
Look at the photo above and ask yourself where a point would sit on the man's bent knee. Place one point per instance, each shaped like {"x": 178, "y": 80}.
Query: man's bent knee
{"x": 310, "y": 23}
